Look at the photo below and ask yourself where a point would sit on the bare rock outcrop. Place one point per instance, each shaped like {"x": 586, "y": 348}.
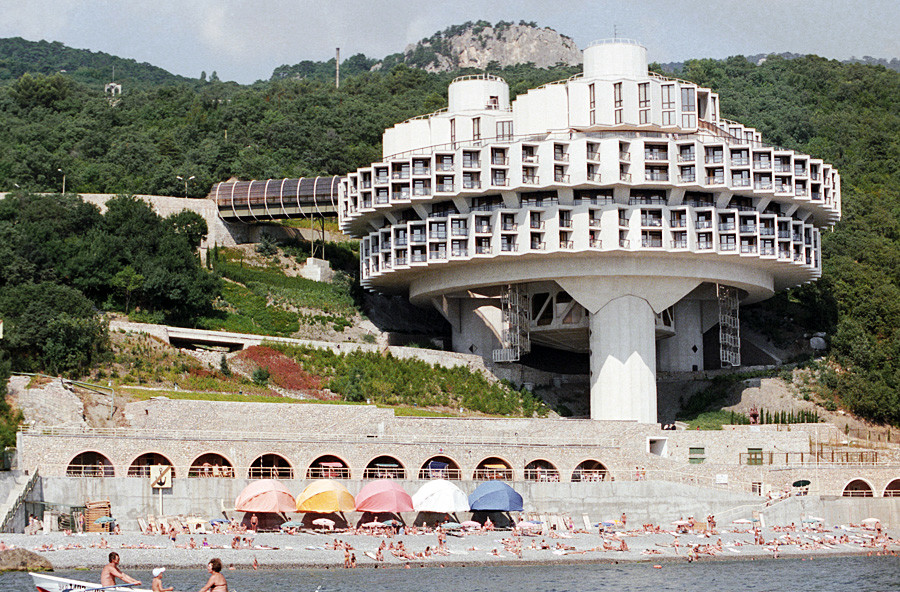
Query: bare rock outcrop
{"x": 23, "y": 560}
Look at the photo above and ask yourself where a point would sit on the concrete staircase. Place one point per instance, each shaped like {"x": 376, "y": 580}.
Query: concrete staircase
{"x": 24, "y": 483}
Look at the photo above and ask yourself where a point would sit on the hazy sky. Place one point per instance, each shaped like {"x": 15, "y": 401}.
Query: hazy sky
{"x": 244, "y": 40}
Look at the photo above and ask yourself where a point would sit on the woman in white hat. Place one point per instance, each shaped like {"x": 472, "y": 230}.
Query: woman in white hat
{"x": 157, "y": 580}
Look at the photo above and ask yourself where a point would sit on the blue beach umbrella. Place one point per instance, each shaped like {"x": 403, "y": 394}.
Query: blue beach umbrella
{"x": 495, "y": 496}
{"x": 104, "y": 520}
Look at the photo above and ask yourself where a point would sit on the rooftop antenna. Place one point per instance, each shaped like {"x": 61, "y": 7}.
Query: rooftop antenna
{"x": 615, "y": 31}
{"x": 337, "y": 68}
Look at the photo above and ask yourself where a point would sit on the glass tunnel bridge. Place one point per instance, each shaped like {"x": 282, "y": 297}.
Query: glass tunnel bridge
{"x": 277, "y": 199}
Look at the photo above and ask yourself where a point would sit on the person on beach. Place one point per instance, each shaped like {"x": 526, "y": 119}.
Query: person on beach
{"x": 111, "y": 572}
{"x": 157, "y": 581}
{"x": 254, "y": 523}
{"x": 216, "y": 582}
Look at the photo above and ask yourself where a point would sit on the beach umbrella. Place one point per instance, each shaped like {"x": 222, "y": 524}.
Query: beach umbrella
{"x": 265, "y": 495}
{"x": 442, "y": 496}
{"x": 373, "y": 524}
{"x": 218, "y": 521}
{"x": 292, "y": 524}
{"x": 383, "y": 496}
{"x": 470, "y": 524}
{"x": 495, "y": 496}
{"x": 685, "y": 523}
{"x": 323, "y": 522}
{"x": 104, "y": 520}
{"x": 391, "y": 522}
{"x": 325, "y": 496}
{"x": 451, "y": 525}
{"x": 801, "y": 483}
{"x": 739, "y": 521}
{"x": 871, "y": 521}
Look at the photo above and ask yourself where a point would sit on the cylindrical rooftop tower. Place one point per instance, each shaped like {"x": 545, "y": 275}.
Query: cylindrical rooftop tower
{"x": 477, "y": 93}
{"x": 615, "y": 58}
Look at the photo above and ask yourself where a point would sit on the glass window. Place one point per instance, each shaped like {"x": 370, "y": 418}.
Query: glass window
{"x": 668, "y": 118}
{"x": 688, "y": 100}
{"x": 617, "y": 94}
{"x": 504, "y": 130}
{"x": 644, "y": 94}
{"x": 453, "y": 131}
{"x": 476, "y": 128}
{"x": 592, "y": 96}
{"x": 668, "y": 98}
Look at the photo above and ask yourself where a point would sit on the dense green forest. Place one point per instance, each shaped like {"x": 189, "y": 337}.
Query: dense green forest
{"x": 298, "y": 123}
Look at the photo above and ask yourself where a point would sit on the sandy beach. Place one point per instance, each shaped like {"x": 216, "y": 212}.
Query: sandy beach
{"x": 280, "y": 550}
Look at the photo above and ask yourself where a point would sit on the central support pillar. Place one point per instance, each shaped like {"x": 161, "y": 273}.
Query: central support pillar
{"x": 623, "y": 361}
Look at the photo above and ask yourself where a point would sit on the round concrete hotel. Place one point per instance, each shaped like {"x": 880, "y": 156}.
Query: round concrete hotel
{"x": 615, "y": 213}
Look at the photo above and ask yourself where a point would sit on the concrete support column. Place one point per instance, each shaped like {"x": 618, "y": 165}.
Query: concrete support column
{"x": 623, "y": 361}
{"x": 683, "y": 352}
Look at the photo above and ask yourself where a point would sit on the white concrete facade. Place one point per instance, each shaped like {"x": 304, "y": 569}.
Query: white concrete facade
{"x": 617, "y": 183}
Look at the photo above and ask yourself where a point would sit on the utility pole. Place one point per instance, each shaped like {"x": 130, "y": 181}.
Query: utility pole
{"x": 64, "y": 181}
{"x": 337, "y": 68}
{"x": 180, "y": 178}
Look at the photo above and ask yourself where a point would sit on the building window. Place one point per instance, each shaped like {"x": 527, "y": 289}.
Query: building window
{"x": 505, "y": 131}
{"x": 668, "y": 98}
{"x": 696, "y": 455}
{"x": 617, "y": 95}
{"x": 688, "y": 107}
{"x": 453, "y": 132}
{"x": 644, "y": 116}
{"x": 754, "y": 456}
{"x": 618, "y": 116}
{"x": 592, "y": 117}
{"x": 592, "y": 96}
{"x": 476, "y": 128}
{"x": 644, "y": 95}
{"x": 668, "y": 118}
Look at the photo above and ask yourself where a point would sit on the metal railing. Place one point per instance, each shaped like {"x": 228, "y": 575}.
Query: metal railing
{"x": 20, "y": 499}
{"x": 829, "y": 457}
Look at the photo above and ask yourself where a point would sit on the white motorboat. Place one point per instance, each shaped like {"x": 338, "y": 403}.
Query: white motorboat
{"x": 47, "y": 583}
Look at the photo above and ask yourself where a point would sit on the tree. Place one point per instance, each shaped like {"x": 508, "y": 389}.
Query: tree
{"x": 128, "y": 281}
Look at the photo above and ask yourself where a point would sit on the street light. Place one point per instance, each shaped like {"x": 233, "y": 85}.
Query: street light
{"x": 64, "y": 181}
{"x": 180, "y": 178}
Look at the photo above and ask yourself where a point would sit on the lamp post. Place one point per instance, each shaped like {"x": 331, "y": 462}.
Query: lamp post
{"x": 64, "y": 181}
{"x": 180, "y": 178}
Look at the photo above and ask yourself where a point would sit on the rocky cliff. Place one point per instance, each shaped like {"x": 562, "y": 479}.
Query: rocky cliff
{"x": 475, "y": 45}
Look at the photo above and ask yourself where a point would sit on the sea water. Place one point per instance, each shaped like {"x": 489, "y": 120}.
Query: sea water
{"x": 832, "y": 574}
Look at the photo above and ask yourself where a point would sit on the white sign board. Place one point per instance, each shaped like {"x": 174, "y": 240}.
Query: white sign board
{"x": 160, "y": 476}
{"x": 722, "y": 479}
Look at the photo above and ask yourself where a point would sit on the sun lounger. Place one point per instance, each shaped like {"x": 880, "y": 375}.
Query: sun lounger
{"x": 142, "y": 524}
{"x": 587, "y": 522}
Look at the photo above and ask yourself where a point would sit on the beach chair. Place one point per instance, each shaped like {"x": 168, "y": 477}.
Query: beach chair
{"x": 142, "y": 524}
{"x": 587, "y": 522}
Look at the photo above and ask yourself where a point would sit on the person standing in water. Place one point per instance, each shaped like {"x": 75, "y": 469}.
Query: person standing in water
{"x": 157, "y": 581}
{"x": 216, "y": 582}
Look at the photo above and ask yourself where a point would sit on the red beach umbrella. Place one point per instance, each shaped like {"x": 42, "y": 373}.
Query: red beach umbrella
{"x": 383, "y": 495}
{"x": 265, "y": 495}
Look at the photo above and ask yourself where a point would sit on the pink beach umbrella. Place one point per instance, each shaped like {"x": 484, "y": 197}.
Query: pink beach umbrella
{"x": 383, "y": 495}
{"x": 265, "y": 495}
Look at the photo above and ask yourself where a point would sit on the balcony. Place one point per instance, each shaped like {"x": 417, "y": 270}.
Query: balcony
{"x": 703, "y": 223}
{"x": 499, "y": 181}
{"x": 727, "y": 247}
{"x": 382, "y": 198}
{"x": 421, "y": 170}
{"x": 421, "y": 191}
{"x": 762, "y": 165}
{"x": 459, "y": 231}
{"x": 438, "y": 234}
{"x": 689, "y": 178}
{"x": 381, "y": 180}
{"x": 510, "y": 227}
{"x": 566, "y": 244}
{"x": 593, "y": 155}
{"x": 704, "y": 245}
{"x": 459, "y": 252}
{"x": 680, "y": 244}
{"x": 444, "y": 188}
{"x": 799, "y": 172}
{"x": 740, "y": 161}
{"x": 767, "y": 251}
{"x": 537, "y": 224}
{"x": 767, "y": 231}
{"x": 656, "y": 156}
{"x": 746, "y": 249}
{"x": 471, "y": 163}
{"x": 560, "y": 157}
{"x": 530, "y": 158}
{"x": 623, "y": 221}
{"x": 656, "y": 175}
{"x": 440, "y": 254}
{"x": 740, "y": 182}
{"x": 781, "y": 167}
{"x": 651, "y": 243}
{"x": 471, "y": 184}
{"x": 560, "y": 178}
{"x": 748, "y": 228}
{"x": 801, "y": 192}
{"x": 400, "y": 241}
{"x": 509, "y": 247}
{"x": 400, "y": 174}
{"x": 418, "y": 258}
{"x": 784, "y": 188}
{"x": 784, "y": 234}
{"x": 624, "y": 243}
{"x": 401, "y": 195}
{"x": 678, "y": 222}
{"x": 499, "y": 161}
{"x": 593, "y": 177}
{"x": 595, "y": 243}
{"x": 594, "y": 222}
{"x": 401, "y": 261}
{"x": 726, "y": 226}
{"x": 715, "y": 158}
{"x": 651, "y": 221}
{"x": 482, "y": 228}
{"x": 715, "y": 180}
{"x": 565, "y": 223}
{"x": 482, "y": 249}
{"x": 530, "y": 179}
{"x": 444, "y": 166}
{"x": 687, "y": 157}
{"x": 625, "y": 156}
{"x": 763, "y": 186}
{"x": 625, "y": 177}
{"x": 386, "y": 245}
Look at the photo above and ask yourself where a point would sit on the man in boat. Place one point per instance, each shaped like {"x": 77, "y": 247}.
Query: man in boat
{"x": 111, "y": 572}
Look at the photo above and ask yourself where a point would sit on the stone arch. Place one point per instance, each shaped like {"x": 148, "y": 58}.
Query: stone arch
{"x": 90, "y": 463}
{"x": 328, "y": 466}
{"x": 590, "y": 470}
{"x": 270, "y": 466}
{"x": 541, "y": 470}
{"x": 892, "y": 489}
{"x": 140, "y": 467}
{"x": 440, "y": 467}
{"x": 211, "y": 464}
{"x": 384, "y": 467}
{"x": 858, "y": 488}
{"x": 493, "y": 468}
